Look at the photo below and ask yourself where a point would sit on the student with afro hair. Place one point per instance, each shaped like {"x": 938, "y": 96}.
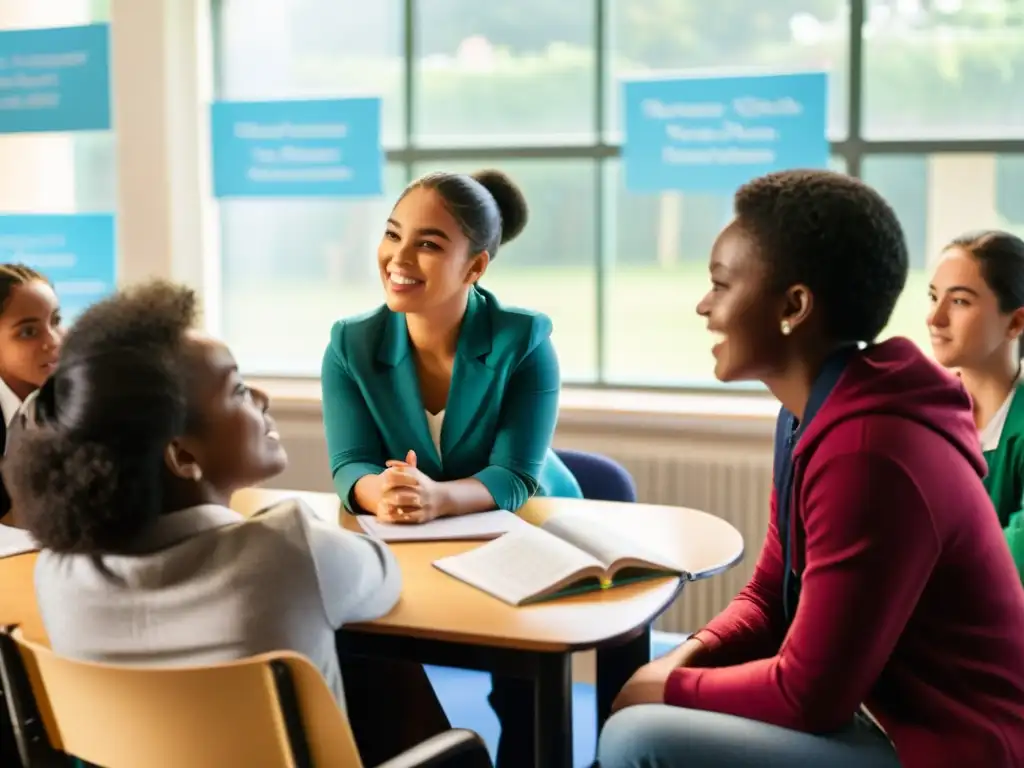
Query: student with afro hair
{"x": 884, "y": 623}
{"x": 122, "y": 467}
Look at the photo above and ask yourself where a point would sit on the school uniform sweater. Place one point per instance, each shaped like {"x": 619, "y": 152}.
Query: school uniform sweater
{"x": 1002, "y": 441}
{"x": 907, "y": 600}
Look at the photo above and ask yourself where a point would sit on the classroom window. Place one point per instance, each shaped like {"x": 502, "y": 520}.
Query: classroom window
{"x": 652, "y": 37}
{"x": 954, "y": 70}
{"x": 926, "y": 102}
{"x": 503, "y": 73}
{"x": 56, "y": 172}
{"x": 928, "y": 194}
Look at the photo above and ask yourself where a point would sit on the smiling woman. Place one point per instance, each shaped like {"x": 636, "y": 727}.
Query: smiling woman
{"x": 443, "y": 401}
{"x": 877, "y": 498}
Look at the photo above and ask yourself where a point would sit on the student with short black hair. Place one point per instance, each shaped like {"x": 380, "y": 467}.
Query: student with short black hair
{"x": 976, "y": 321}
{"x": 122, "y": 467}
{"x": 883, "y": 625}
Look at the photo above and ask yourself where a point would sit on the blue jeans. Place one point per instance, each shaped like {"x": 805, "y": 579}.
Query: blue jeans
{"x": 660, "y": 736}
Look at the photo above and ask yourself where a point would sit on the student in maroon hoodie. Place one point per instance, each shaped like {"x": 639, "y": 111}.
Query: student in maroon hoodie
{"x": 884, "y": 591}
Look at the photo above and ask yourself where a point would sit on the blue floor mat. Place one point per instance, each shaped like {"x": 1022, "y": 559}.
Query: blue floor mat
{"x": 463, "y": 694}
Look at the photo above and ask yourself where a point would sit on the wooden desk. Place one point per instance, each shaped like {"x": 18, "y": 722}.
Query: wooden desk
{"x": 440, "y": 620}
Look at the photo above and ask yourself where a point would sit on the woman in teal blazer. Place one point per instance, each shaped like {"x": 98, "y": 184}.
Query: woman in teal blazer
{"x": 443, "y": 401}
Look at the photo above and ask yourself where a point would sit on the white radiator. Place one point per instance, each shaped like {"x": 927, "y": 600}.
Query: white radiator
{"x": 732, "y": 483}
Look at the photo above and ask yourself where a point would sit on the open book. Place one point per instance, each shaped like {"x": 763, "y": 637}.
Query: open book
{"x": 571, "y": 552}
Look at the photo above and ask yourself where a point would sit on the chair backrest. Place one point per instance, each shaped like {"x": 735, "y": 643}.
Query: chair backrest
{"x": 270, "y": 710}
{"x": 600, "y": 477}
{"x": 18, "y": 595}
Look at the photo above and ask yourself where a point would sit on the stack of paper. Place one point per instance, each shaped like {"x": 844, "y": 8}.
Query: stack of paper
{"x": 479, "y": 527}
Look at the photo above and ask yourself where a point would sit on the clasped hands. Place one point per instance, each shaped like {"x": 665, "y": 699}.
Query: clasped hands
{"x": 408, "y": 495}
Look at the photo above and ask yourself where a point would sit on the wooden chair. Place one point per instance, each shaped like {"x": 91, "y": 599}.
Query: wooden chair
{"x": 273, "y": 711}
{"x": 18, "y": 595}
{"x": 17, "y": 606}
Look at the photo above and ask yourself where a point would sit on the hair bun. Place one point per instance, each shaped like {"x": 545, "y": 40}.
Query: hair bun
{"x": 511, "y": 202}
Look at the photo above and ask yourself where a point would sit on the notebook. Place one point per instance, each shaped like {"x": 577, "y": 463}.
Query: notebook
{"x": 571, "y": 552}
{"x": 478, "y": 527}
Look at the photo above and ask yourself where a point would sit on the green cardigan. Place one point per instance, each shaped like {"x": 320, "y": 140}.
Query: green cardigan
{"x": 1005, "y": 480}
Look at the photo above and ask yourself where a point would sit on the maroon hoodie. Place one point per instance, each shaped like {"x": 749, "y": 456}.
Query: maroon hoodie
{"x": 909, "y": 600}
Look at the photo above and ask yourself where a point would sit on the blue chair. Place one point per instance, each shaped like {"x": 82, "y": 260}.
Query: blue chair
{"x": 600, "y": 478}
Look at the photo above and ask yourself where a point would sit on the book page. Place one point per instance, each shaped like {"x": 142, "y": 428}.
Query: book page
{"x": 606, "y": 543}
{"x": 520, "y": 565}
{"x": 478, "y": 527}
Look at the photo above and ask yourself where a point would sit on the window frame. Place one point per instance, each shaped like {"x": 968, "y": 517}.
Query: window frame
{"x": 853, "y": 149}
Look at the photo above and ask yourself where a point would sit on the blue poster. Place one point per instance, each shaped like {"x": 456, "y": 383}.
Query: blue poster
{"x": 75, "y": 251}
{"x": 323, "y": 148}
{"x": 55, "y": 79}
{"x": 712, "y": 134}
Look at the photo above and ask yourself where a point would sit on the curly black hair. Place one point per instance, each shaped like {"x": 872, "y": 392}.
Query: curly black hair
{"x": 86, "y": 473}
{"x": 834, "y": 234}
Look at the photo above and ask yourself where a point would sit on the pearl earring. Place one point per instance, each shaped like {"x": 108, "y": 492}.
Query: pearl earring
{"x": 197, "y": 473}
{"x": 785, "y": 328}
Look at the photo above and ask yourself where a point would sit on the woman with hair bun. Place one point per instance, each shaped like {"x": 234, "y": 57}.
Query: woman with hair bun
{"x": 443, "y": 401}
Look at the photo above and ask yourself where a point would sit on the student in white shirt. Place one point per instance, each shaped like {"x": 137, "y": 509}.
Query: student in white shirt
{"x": 30, "y": 336}
{"x": 122, "y": 467}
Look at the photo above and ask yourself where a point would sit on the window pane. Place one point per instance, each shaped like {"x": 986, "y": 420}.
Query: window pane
{"x": 652, "y": 37}
{"x": 56, "y": 172}
{"x": 928, "y": 193}
{"x": 294, "y": 49}
{"x": 290, "y": 268}
{"x": 944, "y": 74}
{"x": 550, "y": 266}
{"x": 504, "y": 73}
{"x": 657, "y": 271}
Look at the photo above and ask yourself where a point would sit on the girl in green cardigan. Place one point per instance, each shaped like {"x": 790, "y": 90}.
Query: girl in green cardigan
{"x": 976, "y": 322}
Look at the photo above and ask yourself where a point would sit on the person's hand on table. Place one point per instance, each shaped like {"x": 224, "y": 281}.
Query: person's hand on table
{"x": 647, "y": 685}
{"x": 409, "y": 496}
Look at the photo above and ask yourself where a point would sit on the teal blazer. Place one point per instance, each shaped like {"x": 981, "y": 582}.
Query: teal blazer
{"x": 499, "y": 420}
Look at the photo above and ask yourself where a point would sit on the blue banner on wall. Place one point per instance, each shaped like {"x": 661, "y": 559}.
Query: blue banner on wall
{"x": 75, "y": 251}
{"x": 712, "y": 134}
{"x": 55, "y": 79}
{"x": 322, "y": 148}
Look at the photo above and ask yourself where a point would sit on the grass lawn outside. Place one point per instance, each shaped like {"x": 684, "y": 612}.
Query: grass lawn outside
{"x": 653, "y": 335}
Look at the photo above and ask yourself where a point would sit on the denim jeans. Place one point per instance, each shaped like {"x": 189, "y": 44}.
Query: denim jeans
{"x": 660, "y": 736}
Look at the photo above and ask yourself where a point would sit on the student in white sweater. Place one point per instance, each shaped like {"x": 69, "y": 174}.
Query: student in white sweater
{"x": 125, "y": 463}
